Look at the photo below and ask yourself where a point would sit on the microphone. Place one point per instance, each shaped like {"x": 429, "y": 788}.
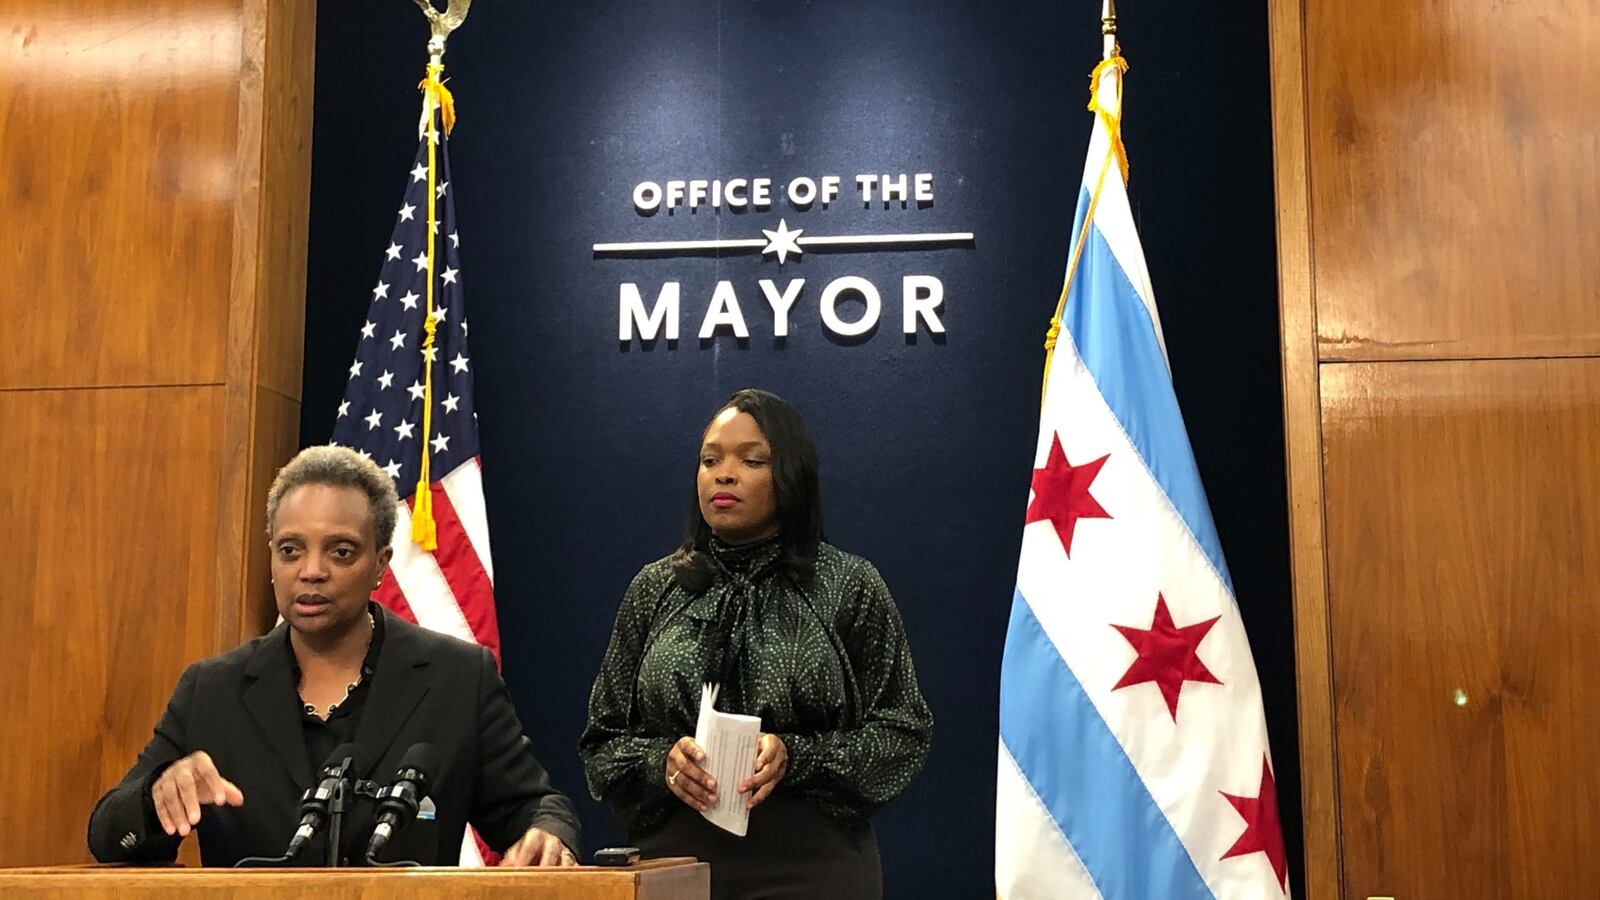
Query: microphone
{"x": 346, "y": 761}
{"x": 397, "y": 803}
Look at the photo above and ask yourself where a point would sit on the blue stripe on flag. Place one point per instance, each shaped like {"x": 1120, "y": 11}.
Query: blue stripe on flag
{"x": 1099, "y": 801}
{"x": 1116, "y": 340}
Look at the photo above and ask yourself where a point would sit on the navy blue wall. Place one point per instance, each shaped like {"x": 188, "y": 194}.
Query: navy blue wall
{"x": 926, "y": 444}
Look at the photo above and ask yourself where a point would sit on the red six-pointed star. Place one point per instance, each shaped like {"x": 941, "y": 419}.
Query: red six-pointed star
{"x": 1167, "y": 655}
{"x": 1061, "y": 493}
{"x": 1263, "y": 833}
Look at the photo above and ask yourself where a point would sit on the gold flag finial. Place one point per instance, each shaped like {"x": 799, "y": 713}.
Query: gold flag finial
{"x": 442, "y": 23}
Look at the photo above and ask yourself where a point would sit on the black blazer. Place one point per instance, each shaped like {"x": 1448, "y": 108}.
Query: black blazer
{"x": 240, "y": 708}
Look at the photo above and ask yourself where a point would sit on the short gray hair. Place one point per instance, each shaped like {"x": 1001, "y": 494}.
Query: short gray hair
{"x": 338, "y": 466}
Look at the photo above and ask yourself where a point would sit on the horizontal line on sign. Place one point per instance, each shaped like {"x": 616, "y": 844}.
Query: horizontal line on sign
{"x": 870, "y": 239}
{"x": 631, "y": 246}
{"x": 860, "y": 240}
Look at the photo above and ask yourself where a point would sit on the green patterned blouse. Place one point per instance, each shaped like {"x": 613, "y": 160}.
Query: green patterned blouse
{"x": 827, "y": 669}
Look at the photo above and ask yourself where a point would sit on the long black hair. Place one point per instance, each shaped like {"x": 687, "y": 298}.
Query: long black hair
{"x": 794, "y": 482}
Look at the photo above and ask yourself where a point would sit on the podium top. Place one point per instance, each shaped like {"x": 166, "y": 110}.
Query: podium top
{"x": 655, "y": 879}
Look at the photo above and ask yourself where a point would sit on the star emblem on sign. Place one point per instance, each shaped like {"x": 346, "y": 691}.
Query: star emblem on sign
{"x": 1168, "y": 655}
{"x": 1061, "y": 493}
{"x": 1263, "y": 832}
{"x": 782, "y": 242}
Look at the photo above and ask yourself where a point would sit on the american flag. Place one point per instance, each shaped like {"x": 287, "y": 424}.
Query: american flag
{"x": 451, "y": 588}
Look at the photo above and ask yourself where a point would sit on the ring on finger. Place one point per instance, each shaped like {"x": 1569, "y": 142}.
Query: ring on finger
{"x": 672, "y": 780}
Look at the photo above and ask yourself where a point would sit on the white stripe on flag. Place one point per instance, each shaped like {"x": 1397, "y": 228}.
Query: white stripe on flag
{"x": 1032, "y": 857}
{"x": 469, "y": 850}
{"x": 426, "y": 591}
{"x": 1113, "y": 214}
{"x": 465, "y": 488}
{"x": 1123, "y": 563}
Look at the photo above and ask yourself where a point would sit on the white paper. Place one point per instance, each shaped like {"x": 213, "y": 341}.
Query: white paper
{"x": 730, "y": 745}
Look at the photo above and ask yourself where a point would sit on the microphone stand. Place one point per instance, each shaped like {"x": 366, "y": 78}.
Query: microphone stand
{"x": 338, "y": 805}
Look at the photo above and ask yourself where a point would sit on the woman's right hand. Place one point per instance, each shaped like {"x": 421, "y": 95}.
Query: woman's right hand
{"x": 685, "y": 779}
{"x": 187, "y": 785}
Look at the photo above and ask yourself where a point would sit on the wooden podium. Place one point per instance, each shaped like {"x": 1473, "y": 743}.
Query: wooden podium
{"x": 656, "y": 879}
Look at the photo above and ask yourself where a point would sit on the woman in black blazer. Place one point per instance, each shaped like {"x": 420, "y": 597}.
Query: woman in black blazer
{"x": 240, "y": 738}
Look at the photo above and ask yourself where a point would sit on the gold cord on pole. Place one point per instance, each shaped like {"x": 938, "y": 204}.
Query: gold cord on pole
{"x": 1112, "y": 120}
{"x": 436, "y": 97}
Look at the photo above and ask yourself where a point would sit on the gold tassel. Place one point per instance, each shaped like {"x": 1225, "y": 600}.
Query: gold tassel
{"x": 433, "y": 85}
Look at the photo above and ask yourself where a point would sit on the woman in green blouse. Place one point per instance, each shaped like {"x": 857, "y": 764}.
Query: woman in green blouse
{"x": 795, "y": 631}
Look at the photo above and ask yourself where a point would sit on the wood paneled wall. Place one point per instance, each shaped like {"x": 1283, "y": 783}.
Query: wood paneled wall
{"x": 1439, "y": 244}
{"x": 153, "y": 181}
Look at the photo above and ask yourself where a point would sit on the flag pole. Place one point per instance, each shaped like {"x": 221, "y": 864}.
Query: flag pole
{"x": 435, "y": 97}
{"x": 1108, "y": 29}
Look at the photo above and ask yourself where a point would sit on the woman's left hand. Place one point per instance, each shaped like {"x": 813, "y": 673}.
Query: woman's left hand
{"x": 538, "y": 848}
{"x": 772, "y": 761}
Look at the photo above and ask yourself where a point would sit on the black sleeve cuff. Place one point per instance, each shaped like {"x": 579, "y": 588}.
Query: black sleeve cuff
{"x": 152, "y": 822}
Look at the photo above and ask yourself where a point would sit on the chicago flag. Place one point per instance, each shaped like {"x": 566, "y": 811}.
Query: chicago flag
{"x": 1133, "y": 751}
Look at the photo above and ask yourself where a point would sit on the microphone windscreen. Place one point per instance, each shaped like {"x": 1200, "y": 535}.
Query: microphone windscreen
{"x": 358, "y": 759}
{"x": 424, "y": 757}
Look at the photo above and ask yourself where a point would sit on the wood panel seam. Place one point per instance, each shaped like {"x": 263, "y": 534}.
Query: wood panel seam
{"x": 277, "y": 393}
{"x": 109, "y": 387}
{"x": 1395, "y": 360}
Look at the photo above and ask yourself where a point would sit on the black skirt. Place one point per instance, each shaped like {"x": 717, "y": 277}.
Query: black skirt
{"x": 791, "y": 851}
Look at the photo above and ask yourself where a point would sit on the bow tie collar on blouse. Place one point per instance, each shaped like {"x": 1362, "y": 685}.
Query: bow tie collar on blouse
{"x": 741, "y": 572}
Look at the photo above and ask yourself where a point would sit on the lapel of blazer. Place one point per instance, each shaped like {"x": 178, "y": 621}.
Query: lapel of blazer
{"x": 268, "y": 697}
{"x": 398, "y": 686}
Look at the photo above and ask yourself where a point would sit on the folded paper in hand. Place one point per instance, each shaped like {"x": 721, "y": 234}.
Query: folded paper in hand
{"x": 730, "y": 745}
